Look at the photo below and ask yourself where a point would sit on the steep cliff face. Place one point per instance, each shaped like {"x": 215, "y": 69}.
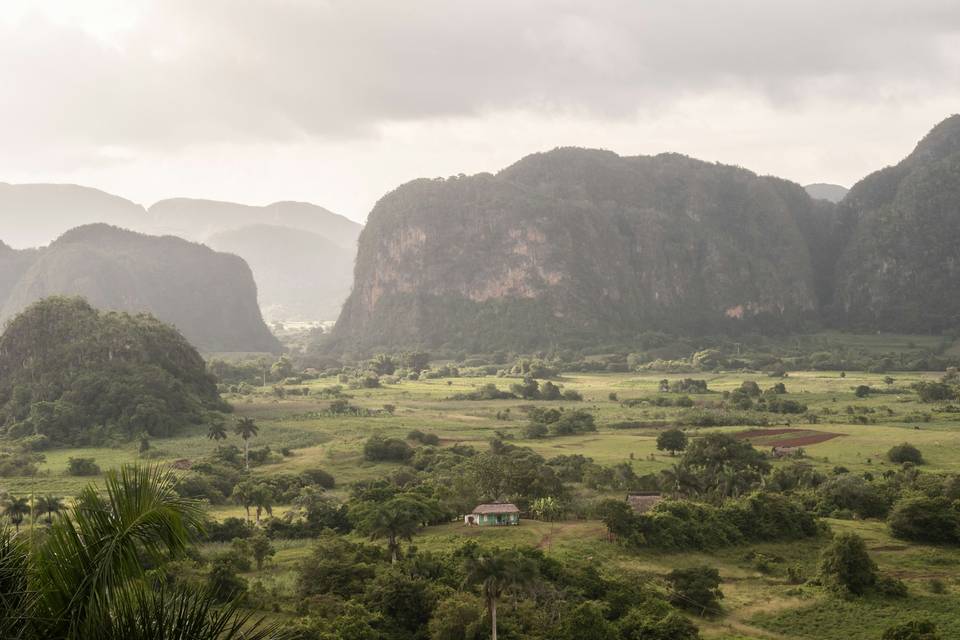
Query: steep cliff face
{"x": 900, "y": 269}
{"x": 208, "y": 296}
{"x": 582, "y": 243}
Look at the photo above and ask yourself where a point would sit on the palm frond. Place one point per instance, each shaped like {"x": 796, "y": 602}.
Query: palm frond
{"x": 144, "y": 613}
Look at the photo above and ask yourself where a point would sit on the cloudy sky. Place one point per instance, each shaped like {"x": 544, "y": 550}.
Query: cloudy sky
{"x": 338, "y": 101}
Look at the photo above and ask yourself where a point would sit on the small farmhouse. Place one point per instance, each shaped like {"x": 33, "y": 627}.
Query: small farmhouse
{"x": 493, "y": 514}
{"x": 643, "y": 502}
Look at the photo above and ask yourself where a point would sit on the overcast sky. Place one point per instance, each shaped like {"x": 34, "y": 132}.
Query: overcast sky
{"x": 337, "y": 102}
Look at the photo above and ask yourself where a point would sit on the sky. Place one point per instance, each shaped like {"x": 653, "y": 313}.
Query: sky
{"x": 338, "y": 102}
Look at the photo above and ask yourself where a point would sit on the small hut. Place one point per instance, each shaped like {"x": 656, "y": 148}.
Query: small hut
{"x": 644, "y": 501}
{"x": 493, "y": 514}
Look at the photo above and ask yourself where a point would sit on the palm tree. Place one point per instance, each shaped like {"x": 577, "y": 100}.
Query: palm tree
{"x": 16, "y": 509}
{"x": 394, "y": 520}
{"x": 246, "y": 429}
{"x": 262, "y": 499}
{"x": 217, "y": 431}
{"x": 88, "y": 573}
{"x": 50, "y": 505}
{"x": 16, "y": 599}
{"x": 497, "y": 573}
{"x": 243, "y": 494}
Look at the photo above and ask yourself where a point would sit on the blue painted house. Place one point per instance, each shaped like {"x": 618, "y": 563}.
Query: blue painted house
{"x": 493, "y": 514}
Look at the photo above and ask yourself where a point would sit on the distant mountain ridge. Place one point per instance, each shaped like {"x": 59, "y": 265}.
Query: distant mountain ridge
{"x": 582, "y": 246}
{"x": 300, "y": 274}
{"x": 33, "y": 215}
{"x": 824, "y": 191}
{"x": 210, "y": 297}
{"x": 198, "y": 220}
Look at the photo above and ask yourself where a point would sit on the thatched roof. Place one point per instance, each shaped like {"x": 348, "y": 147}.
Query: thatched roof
{"x": 641, "y": 502}
{"x": 496, "y": 507}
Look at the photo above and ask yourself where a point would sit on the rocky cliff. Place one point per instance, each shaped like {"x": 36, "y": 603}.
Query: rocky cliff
{"x": 899, "y": 269}
{"x": 580, "y": 244}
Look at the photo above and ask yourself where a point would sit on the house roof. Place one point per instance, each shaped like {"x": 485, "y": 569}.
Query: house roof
{"x": 496, "y": 507}
{"x": 643, "y": 501}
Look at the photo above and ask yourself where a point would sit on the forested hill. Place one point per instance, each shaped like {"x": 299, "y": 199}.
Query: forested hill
{"x": 75, "y": 375}
{"x": 900, "y": 269}
{"x": 584, "y": 245}
{"x": 209, "y": 296}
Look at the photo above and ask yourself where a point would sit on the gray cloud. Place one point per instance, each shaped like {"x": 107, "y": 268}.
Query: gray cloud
{"x": 190, "y": 73}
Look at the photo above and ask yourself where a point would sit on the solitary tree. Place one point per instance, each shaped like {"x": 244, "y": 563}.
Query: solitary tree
{"x": 217, "y": 431}
{"x": 243, "y": 494}
{"x": 496, "y": 573}
{"x": 50, "y": 505}
{"x": 672, "y": 440}
{"x": 394, "y": 520}
{"x": 845, "y": 564}
{"x": 262, "y": 498}
{"x": 16, "y": 509}
{"x": 261, "y": 548}
{"x": 246, "y": 428}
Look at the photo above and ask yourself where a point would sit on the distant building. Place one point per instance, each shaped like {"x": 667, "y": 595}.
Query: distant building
{"x": 786, "y": 452}
{"x": 644, "y": 501}
{"x": 493, "y": 514}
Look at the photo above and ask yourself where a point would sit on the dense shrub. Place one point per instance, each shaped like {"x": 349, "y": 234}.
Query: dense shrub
{"x": 82, "y": 467}
{"x": 923, "y": 519}
{"x": 846, "y": 566}
{"x": 380, "y": 449}
{"x": 682, "y": 525}
{"x": 847, "y": 492}
{"x": 696, "y": 589}
{"x": 423, "y": 438}
{"x": 905, "y": 452}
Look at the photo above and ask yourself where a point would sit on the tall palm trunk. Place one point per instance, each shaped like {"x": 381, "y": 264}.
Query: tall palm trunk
{"x": 246, "y": 453}
{"x": 493, "y": 618}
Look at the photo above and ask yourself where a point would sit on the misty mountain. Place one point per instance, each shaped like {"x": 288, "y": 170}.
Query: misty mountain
{"x": 32, "y": 215}
{"x": 299, "y": 274}
{"x": 209, "y": 296}
{"x": 830, "y": 192}
{"x": 200, "y": 219}
{"x": 900, "y": 268}
{"x": 580, "y": 244}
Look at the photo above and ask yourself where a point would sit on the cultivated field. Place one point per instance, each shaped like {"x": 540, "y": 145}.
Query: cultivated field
{"x": 852, "y": 432}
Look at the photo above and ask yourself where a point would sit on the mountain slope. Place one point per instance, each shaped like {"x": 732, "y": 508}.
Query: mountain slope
{"x": 580, "y": 244}
{"x": 31, "y": 215}
{"x": 200, "y": 219}
{"x": 300, "y": 275}
{"x": 209, "y": 296}
{"x": 900, "y": 270}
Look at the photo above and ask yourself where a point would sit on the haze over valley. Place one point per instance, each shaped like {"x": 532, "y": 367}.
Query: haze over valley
{"x": 551, "y": 320}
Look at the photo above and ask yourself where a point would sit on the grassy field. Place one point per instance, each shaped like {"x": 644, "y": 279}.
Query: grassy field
{"x": 758, "y": 603}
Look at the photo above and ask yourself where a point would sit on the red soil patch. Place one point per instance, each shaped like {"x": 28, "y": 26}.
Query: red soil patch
{"x": 760, "y": 433}
{"x": 803, "y": 441}
{"x": 808, "y": 438}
